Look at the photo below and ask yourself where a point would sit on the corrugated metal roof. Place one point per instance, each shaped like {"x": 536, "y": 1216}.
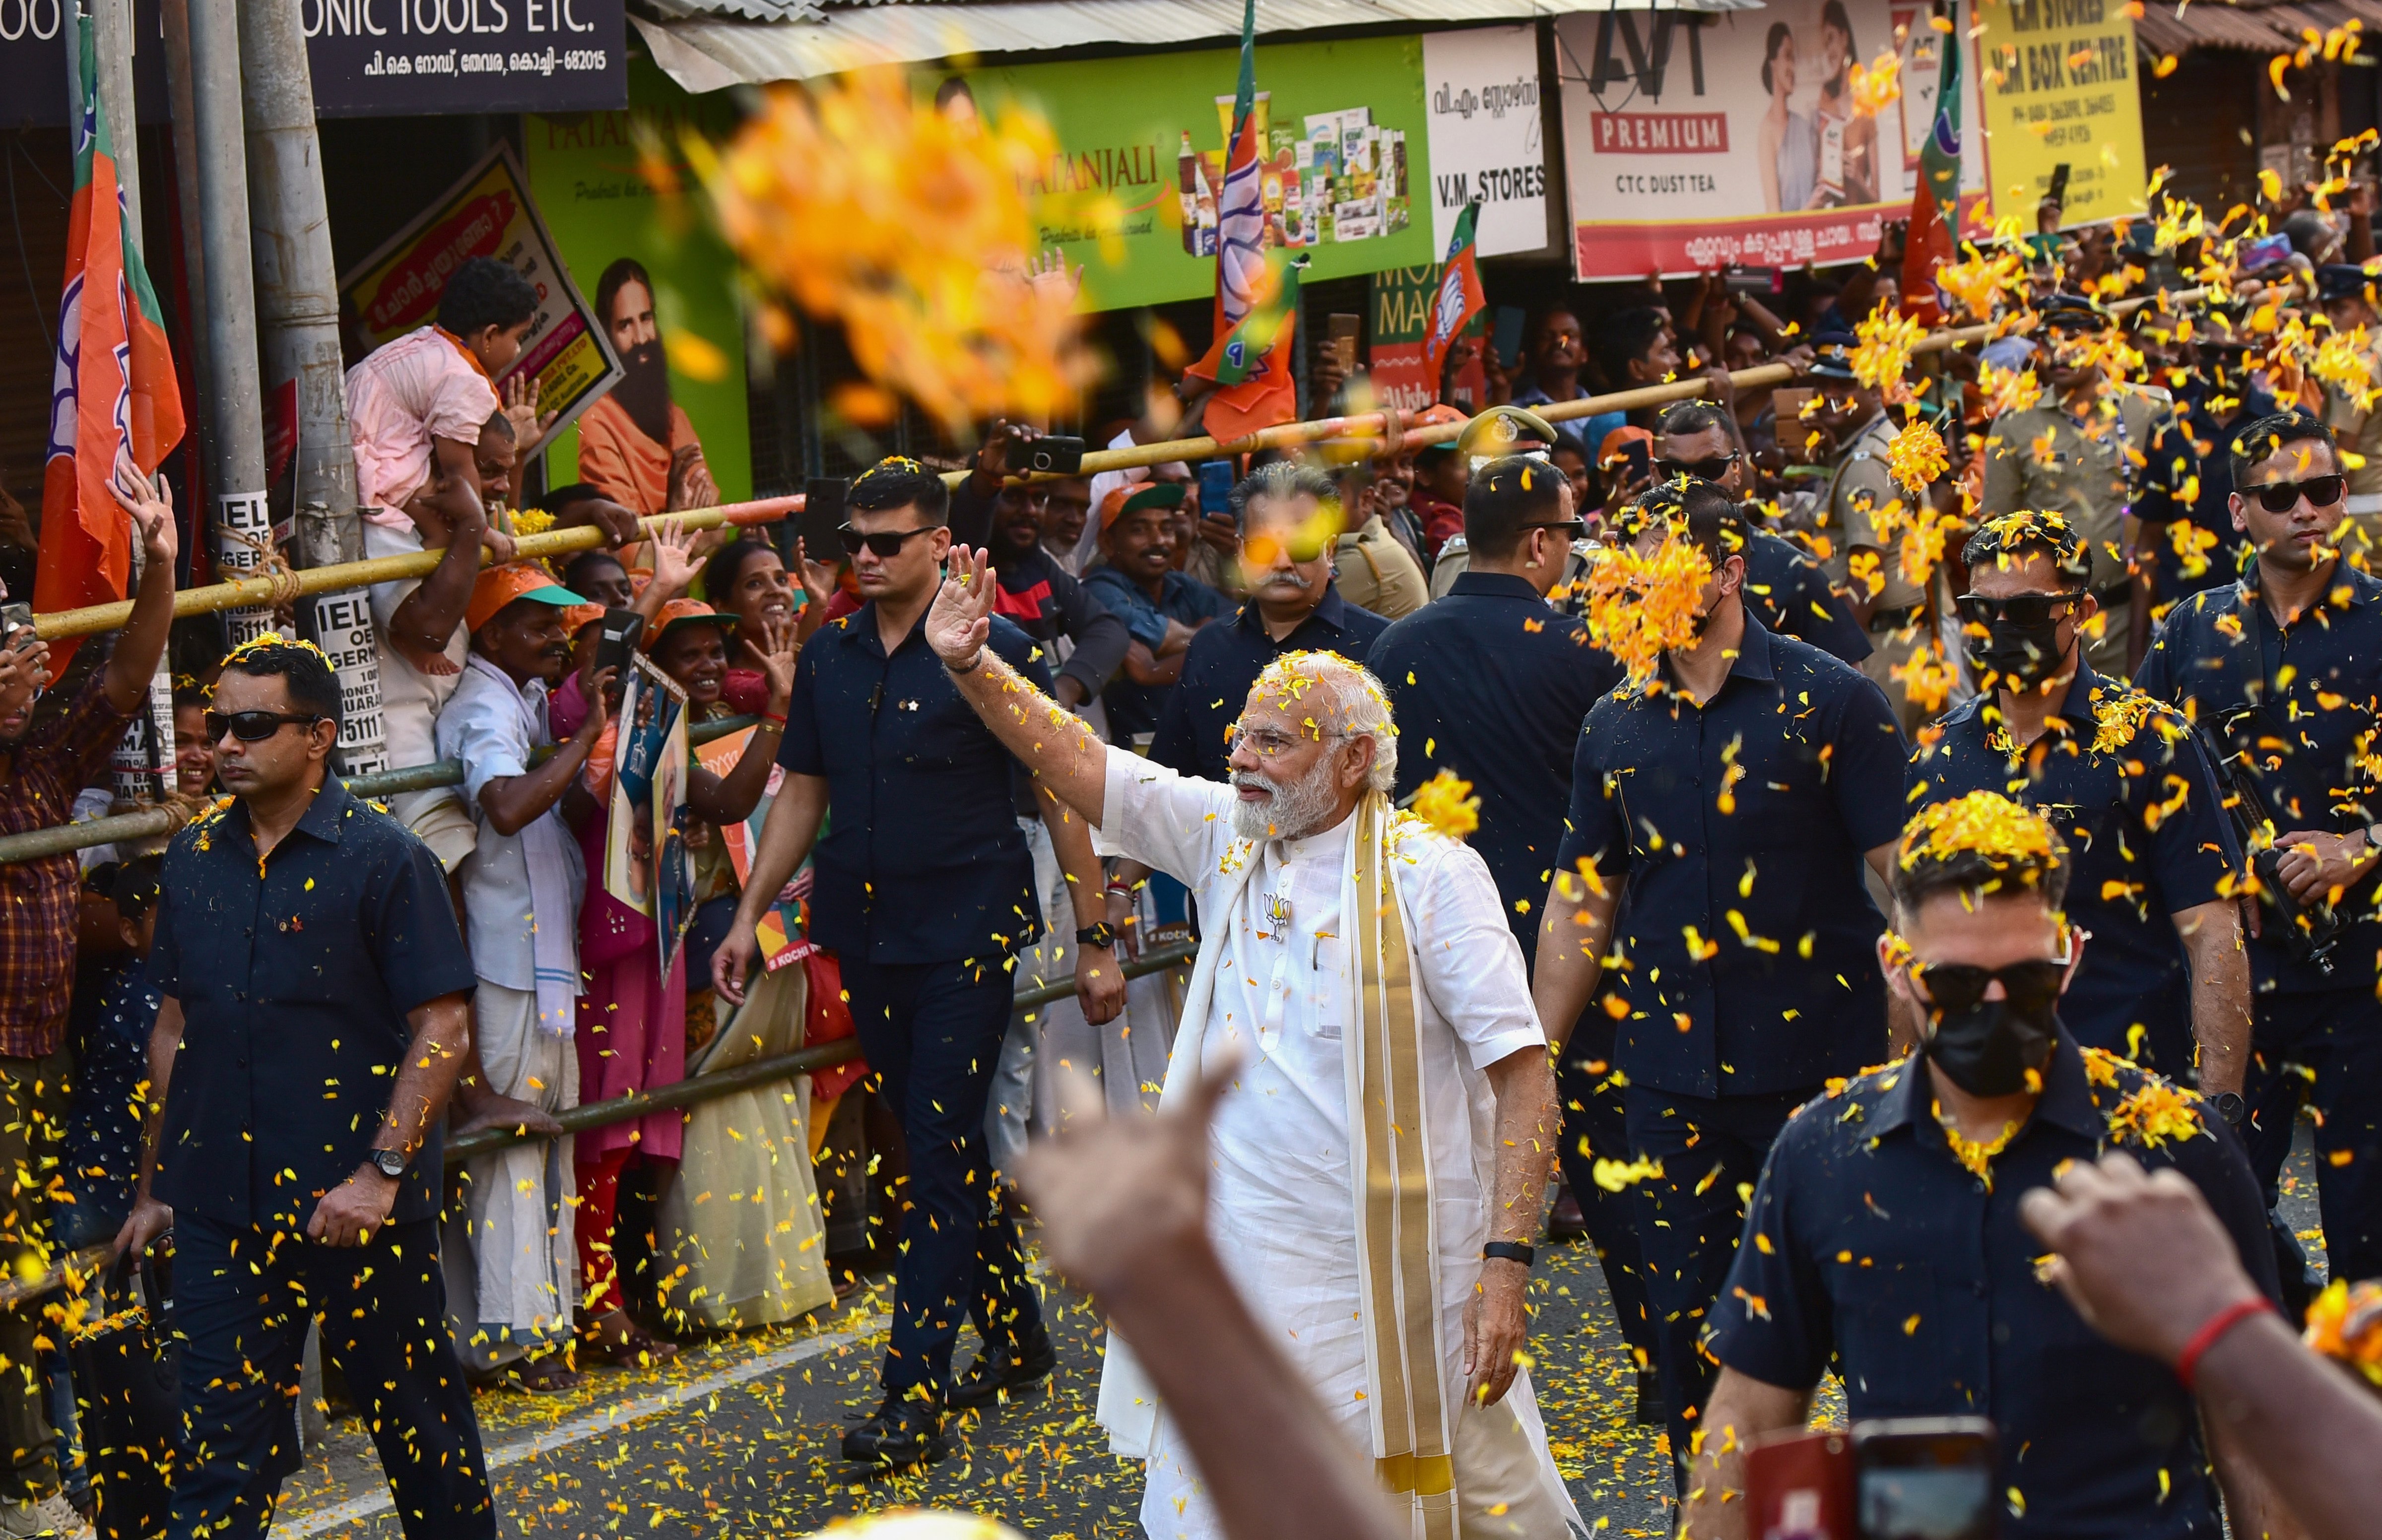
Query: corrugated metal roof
{"x": 2249, "y": 29}
{"x": 704, "y": 50}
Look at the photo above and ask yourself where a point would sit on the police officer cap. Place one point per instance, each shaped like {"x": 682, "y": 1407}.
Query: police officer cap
{"x": 1502, "y": 430}
{"x": 2341, "y": 280}
{"x": 2073, "y": 313}
{"x": 1832, "y": 354}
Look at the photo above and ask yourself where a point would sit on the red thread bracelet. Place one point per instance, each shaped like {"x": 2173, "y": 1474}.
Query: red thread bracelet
{"x": 2187, "y": 1363}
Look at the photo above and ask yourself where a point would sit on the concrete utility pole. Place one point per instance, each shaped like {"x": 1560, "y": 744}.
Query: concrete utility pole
{"x": 243, "y": 526}
{"x": 143, "y": 760}
{"x": 298, "y": 326}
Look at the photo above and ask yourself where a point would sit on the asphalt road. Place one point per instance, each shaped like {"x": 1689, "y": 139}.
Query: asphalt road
{"x": 740, "y": 1438}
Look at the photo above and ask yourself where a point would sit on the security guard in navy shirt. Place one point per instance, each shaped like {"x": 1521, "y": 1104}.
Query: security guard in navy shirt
{"x": 1291, "y": 607}
{"x": 2132, "y": 790}
{"x": 925, "y": 891}
{"x": 1789, "y": 591}
{"x": 1884, "y": 1242}
{"x": 1490, "y": 684}
{"x": 314, "y": 1023}
{"x": 1731, "y": 796}
{"x": 2285, "y": 671}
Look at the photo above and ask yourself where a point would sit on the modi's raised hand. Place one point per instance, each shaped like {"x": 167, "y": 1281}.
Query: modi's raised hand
{"x": 961, "y": 620}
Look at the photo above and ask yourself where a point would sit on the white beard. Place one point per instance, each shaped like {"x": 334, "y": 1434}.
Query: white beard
{"x": 1290, "y": 812}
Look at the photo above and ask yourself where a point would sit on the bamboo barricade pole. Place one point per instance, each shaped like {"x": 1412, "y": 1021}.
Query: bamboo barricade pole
{"x": 80, "y": 1265}
{"x": 155, "y": 821}
{"x": 1372, "y": 425}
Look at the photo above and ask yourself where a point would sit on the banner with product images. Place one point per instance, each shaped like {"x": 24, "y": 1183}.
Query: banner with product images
{"x": 2061, "y": 88}
{"x": 674, "y": 432}
{"x": 489, "y": 214}
{"x": 1130, "y": 194}
{"x": 1482, "y": 86}
{"x": 1677, "y": 124}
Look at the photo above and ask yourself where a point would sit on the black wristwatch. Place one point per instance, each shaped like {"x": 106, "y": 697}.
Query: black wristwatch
{"x": 1101, "y": 936}
{"x": 388, "y": 1163}
{"x": 1509, "y": 1250}
{"x": 2231, "y": 1107}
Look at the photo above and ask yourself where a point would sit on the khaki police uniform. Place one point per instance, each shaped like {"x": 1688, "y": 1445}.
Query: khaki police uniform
{"x": 2088, "y": 473}
{"x": 1376, "y": 572}
{"x": 1858, "y": 493}
{"x": 2358, "y": 432}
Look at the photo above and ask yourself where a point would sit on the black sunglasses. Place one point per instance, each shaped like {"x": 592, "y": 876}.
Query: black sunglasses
{"x": 254, "y": 727}
{"x": 888, "y": 543}
{"x": 2321, "y": 491}
{"x": 1701, "y": 470}
{"x": 1575, "y": 528}
{"x": 2024, "y": 609}
{"x": 1954, "y": 987}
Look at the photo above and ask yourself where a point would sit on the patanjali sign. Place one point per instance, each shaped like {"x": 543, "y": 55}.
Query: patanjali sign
{"x": 391, "y": 57}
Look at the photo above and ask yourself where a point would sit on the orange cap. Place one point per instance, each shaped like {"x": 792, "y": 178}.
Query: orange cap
{"x": 1610, "y": 450}
{"x": 684, "y": 612}
{"x": 499, "y": 586}
{"x": 578, "y": 617}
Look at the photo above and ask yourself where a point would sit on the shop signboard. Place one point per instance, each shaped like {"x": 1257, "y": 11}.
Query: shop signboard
{"x": 1129, "y": 194}
{"x": 1482, "y": 86}
{"x": 2062, "y": 87}
{"x": 488, "y": 214}
{"x": 662, "y": 288}
{"x": 1694, "y": 142}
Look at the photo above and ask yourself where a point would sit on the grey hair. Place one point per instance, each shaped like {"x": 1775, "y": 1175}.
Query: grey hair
{"x": 1358, "y": 706}
{"x": 1282, "y": 479}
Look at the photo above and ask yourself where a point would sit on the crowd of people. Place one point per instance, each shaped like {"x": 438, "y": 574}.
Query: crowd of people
{"x": 1772, "y": 835}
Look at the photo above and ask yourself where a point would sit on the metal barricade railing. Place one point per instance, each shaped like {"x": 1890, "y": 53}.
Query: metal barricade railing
{"x": 86, "y": 1262}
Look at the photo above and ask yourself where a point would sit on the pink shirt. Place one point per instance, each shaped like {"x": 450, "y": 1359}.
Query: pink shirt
{"x": 420, "y": 388}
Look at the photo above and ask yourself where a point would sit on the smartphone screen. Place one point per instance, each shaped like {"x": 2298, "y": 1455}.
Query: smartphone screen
{"x": 822, "y": 515}
{"x": 1925, "y": 1479}
{"x": 1215, "y": 488}
{"x": 1508, "y": 335}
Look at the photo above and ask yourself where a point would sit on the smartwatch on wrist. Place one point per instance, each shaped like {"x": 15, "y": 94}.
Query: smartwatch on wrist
{"x": 2231, "y": 1107}
{"x": 1101, "y": 936}
{"x": 1509, "y": 1250}
{"x": 388, "y": 1163}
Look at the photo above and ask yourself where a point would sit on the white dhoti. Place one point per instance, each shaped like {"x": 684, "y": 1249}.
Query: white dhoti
{"x": 1124, "y": 1056}
{"x": 513, "y": 1285}
{"x": 1296, "y": 1206}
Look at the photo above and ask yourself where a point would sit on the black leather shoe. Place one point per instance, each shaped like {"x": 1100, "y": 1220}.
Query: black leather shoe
{"x": 905, "y": 1430}
{"x": 998, "y": 1370}
{"x": 1651, "y": 1410}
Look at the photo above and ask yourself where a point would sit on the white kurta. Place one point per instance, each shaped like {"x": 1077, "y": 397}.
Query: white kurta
{"x": 1281, "y": 1207}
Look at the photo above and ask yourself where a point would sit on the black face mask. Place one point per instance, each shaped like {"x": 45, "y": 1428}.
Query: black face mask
{"x": 2023, "y": 654}
{"x": 1988, "y": 1048}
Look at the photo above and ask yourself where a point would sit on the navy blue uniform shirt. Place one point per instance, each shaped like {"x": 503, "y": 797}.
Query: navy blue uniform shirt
{"x": 1489, "y": 683}
{"x": 2135, "y": 798}
{"x": 1794, "y": 597}
{"x": 2195, "y": 443}
{"x": 923, "y": 861}
{"x": 1749, "y": 938}
{"x": 1227, "y": 657}
{"x": 115, "y": 1009}
{"x": 295, "y": 976}
{"x": 2222, "y": 651}
{"x": 1871, "y": 1248}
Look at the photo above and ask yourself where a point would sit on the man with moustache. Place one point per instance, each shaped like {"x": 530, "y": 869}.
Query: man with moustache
{"x": 521, "y": 887}
{"x": 1293, "y": 606}
{"x": 636, "y": 444}
{"x": 1377, "y": 1174}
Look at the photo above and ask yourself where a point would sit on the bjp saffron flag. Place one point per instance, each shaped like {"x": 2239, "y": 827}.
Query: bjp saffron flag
{"x": 1935, "y": 202}
{"x": 1460, "y": 295}
{"x": 1257, "y": 291}
{"x": 115, "y": 408}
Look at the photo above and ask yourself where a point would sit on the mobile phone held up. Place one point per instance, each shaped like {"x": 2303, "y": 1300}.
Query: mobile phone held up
{"x": 1049, "y": 455}
{"x": 1215, "y": 489}
{"x": 2264, "y": 252}
{"x": 821, "y": 516}
{"x": 1917, "y": 1478}
{"x": 16, "y": 625}
{"x": 1756, "y": 280}
{"x": 615, "y": 641}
